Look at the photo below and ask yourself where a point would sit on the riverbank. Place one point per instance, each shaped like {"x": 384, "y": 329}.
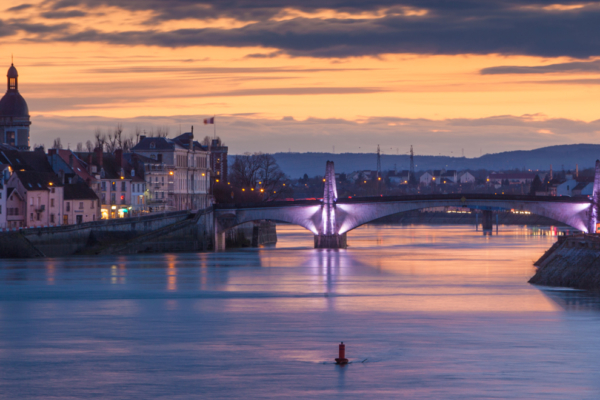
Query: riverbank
{"x": 573, "y": 261}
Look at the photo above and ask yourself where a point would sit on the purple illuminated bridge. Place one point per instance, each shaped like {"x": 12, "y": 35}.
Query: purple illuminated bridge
{"x": 331, "y": 219}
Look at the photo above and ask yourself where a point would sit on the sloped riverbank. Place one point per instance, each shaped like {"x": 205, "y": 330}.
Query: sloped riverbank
{"x": 573, "y": 261}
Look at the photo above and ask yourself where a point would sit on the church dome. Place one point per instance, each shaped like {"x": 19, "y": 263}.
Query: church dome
{"x": 13, "y": 104}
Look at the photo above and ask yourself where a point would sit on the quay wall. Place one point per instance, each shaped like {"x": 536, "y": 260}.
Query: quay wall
{"x": 573, "y": 261}
{"x": 181, "y": 231}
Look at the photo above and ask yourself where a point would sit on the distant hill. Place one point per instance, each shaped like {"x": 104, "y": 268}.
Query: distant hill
{"x": 296, "y": 165}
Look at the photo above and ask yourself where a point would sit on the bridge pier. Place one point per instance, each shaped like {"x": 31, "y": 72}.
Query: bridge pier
{"x": 487, "y": 222}
{"x": 330, "y": 241}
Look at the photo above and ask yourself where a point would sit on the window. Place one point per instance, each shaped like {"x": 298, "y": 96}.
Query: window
{"x": 152, "y": 145}
{"x": 163, "y": 180}
{"x": 31, "y": 201}
{"x": 103, "y": 198}
{"x": 123, "y": 186}
{"x": 0, "y": 209}
{"x": 92, "y": 205}
{"x": 0, "y": 195}
{"x": 52, "y": 190}
{"x": 122, "y": 198}
{"x": 51, "y": 202}
{"x": 114, "y": 186}
{"x": 13, "y": 83}
{"x": 103, "y": 185}
{"x": 68, "y": 206}
{"x": 51, "y": 218}
{"x": 81, "y": 205}
{"x": 113, "y": 196}
{"x": 79, "y": 219}
{"x": 31, "y": 217}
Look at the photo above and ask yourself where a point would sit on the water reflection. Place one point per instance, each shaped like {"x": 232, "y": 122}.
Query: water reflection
{"x": 439, "y": 311}
{"x": 573, "y": 300}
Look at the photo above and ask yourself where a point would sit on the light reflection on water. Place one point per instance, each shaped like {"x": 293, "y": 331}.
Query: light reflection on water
{"x": 437, "y": 312}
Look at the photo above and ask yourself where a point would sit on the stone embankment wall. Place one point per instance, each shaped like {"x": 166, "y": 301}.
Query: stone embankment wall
{"x": 251, "y": 234}
{"x": 158, "y": 233}
{"x": 573, "y": 261}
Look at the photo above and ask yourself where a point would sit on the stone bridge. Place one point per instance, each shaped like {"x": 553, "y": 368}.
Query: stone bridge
{"x": 331, "y": 218}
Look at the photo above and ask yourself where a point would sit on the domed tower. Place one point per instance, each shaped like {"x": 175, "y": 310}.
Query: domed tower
{"x": 14, "y": 114}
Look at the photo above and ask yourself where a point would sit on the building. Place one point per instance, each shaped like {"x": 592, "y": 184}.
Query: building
{"x": 426, "y": 178}
{"x": 447, "y": 177}
{"x": 5, "y": 173}
{"x": 80, "y": 204}
{"x": 188, "y": 165}
{"x": 513, "y": 178}
{"x": 466, "y": 177}
{"x": 566, "y": 188}
{"x": 399, "y": 178}
{"x": 14, "y": 114}
{"x": 38, "y": 196}
{"x": 218, "y": 160}
{"x": 152, "y": 192}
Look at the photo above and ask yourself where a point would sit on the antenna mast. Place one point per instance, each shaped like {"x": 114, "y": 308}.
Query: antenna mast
{"x": 412, "y": 163}
{"x": 378, "y": 162}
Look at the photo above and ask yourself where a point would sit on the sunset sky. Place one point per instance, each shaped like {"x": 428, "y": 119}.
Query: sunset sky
{"x": 483, "y": 76}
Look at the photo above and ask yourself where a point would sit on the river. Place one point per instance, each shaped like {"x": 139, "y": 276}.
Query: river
{"x": 426, "y": 312}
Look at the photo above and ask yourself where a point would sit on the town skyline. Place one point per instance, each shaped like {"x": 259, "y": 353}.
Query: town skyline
{"x": 85, "y": 66}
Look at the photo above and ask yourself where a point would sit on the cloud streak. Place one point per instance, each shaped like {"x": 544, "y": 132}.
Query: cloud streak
{"x": 333, "y": 28}
{"x": 571, "y": 67}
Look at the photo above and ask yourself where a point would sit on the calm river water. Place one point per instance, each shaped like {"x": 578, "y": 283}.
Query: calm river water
{"x": 425, "y": 311}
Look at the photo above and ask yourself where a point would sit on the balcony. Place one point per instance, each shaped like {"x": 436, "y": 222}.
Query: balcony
{"x": 41, "y": 208}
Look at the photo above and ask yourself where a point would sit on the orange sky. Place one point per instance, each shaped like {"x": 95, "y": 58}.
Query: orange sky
{"x": 120, "y": 82}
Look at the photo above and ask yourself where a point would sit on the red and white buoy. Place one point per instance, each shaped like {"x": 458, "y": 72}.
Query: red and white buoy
{"x": 342, "y": 355}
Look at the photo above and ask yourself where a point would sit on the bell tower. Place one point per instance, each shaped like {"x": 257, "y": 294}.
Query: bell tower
{"x": 14, "y": 114}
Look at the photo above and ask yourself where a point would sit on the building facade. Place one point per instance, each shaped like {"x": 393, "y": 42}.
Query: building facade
{"x": 14, "y": 114}
{"x": 187, "y": 163}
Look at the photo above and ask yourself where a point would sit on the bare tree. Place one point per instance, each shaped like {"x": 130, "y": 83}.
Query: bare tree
{"x": 118, "y": 137}
{"x": 57, "y": 144}
{"x": 245, "y": 171}
{"x": 79, "y": 147}
{"x": 162, "y": 131}
{"x": 138, "y": 133}
{"x": 271, "y": 177}
{"x": 89, "y": 146}
{"x": 128, "y": 143}
{"x": 100, "y": 139}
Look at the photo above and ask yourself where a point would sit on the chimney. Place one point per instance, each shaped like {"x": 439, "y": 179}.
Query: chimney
{"x": 51, "y": 152}
{"x": 98, "y": 151}
{"x": 71, "y": 160}
{"x": 192, "y": 139}
{"x": 142, "y": 137}
{"x": 89, "y": 162}
{"x": 119, "y": 158}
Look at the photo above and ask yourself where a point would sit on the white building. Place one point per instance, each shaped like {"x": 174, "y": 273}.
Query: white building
{"x": 466, "y": 177}
{"x": 187, "y": 163}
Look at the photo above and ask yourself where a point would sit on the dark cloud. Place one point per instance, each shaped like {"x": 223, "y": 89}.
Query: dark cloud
{"x": 466, "y": 28}
{"x": 507, "y": 27}
{"x": 273, "y": 54}
{"x": 63, "y": 14}
{"x": 20, "y": 7}
{"x": 589, "y": 66}
{"x": 37, "y": 27}
{"x": 6, "y": 30}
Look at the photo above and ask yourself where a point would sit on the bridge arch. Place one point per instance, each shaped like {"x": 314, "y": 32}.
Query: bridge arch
{"x": 352, "y": 215}
{"x": 305, "y": 216}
